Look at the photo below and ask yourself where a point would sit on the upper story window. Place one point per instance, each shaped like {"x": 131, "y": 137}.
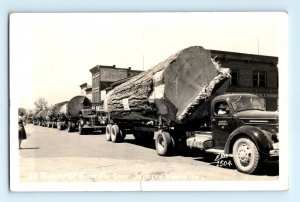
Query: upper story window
{"x": 259, "y": 79}
{"x": 234, "y": 78}
{"x": 95, "y": 80}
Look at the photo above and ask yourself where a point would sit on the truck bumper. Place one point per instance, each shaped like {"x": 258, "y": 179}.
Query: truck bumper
{"x": 275, "y": 151}
{"x": 94, "y": 127}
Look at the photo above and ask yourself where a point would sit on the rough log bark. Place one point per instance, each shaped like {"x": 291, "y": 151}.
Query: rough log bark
{"x": 57, "y": 107}
{"x": 73, "y": 107}
{"x": 53, "y": 111}
{"x": 179, "y": 89}
{"x": 43, "y": 114}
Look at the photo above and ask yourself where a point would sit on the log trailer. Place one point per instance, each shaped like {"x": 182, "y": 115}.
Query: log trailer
{"x": 70, "y": 112}
{"x": 53, "y": 114}
{"x": 178, "y": 98}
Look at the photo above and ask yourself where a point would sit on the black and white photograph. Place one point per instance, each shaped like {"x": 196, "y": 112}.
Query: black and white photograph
{"x": 148, "y": 101}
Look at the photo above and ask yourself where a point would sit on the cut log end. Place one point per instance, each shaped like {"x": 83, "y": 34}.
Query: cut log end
{"x": 175, "y": 89}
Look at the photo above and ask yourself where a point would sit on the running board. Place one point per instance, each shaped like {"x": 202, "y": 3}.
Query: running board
{"x": 217, "y": 151}
{"x": 200, "y": 141}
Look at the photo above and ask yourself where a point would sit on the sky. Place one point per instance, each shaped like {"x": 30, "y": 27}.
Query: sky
{"x": 51, "y": 53}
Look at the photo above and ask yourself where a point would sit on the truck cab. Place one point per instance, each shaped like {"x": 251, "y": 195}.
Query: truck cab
{"x": 91, "y": 120}
{"x": 241, "y": 128}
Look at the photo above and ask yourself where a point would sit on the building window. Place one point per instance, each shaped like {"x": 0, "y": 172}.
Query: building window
{"x": 234, "y": 78}
{"x": 259, "y": 79}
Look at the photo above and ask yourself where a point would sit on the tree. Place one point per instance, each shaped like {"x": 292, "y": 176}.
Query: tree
{"x": 30, "y": 111}
{"x": 40, "y": 104}
{"x": 22, "y": 110}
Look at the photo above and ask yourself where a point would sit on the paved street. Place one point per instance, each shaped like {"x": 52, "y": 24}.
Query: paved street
{"x": 50, "y": 155}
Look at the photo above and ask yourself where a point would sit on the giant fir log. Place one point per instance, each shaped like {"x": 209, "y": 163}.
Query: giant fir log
{"x": 53, "y": 111}
{"x": 72, "y": 107}
{"x": 179, "y": 89}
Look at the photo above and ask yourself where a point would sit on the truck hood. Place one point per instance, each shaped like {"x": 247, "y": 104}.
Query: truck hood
{"x": 257, "y": 116}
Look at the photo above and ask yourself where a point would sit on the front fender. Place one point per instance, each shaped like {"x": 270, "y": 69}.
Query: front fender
{"x": 262, "y": 140}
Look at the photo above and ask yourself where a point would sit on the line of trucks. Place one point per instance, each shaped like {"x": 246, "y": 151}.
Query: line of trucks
{"x": 75, "y": 114}
{"x": 180, "y": 100}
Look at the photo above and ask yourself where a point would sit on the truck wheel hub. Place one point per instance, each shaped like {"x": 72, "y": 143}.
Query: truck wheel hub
{"x": 244, "y": 154}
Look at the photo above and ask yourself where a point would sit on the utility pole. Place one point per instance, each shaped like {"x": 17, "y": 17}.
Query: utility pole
{"x": 257, "y": 40}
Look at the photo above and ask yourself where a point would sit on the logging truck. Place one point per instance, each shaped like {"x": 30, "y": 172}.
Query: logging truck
{"x": 91, "y": 120}
{"x": 182, "y": 99}
{"x": 42, "y": 117}
{"x": 69, "y": 113}
{"x": 53, "y": 114}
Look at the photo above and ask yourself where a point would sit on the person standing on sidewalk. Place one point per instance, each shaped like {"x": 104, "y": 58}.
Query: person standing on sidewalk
{"x": 22, "y": 132}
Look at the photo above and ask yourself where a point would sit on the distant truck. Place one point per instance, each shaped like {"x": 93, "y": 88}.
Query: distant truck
{"x": 42, "y": 117}
{"x": 183, "y": 100}
{"x": 35, "y": 118}
{"x": 69, "y": 113}
{"x": 92, "y": 120}
{"x": 29, "y": 118}
{"x": 53, "y": 113}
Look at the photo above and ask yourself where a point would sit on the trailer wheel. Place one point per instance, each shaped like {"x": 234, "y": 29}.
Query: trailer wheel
{"x": 116, "y": 134}
{"x": 108, "y": 132}
{"x": 164, "y": 143}
{"x": 245, "y": 155}
{"x": 81, "y": 130}
{"x": 70, "y": 127}
{"x": 59, "y": 126}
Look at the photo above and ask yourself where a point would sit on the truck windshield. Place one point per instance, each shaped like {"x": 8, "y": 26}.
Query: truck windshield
{"x": 247, "y": 103}
{"x": 88, "y": 112}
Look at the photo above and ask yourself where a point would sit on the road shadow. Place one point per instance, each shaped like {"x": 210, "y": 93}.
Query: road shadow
{"x": 88, "y": 133}
{"x": 24, "y": 148}
{"x": 266, "y": 168}
{"x": 147, "y": 144}
{"x": 269, "y": 168}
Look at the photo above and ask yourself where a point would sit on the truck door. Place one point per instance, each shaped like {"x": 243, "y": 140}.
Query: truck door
{"x": 222, "y": 123}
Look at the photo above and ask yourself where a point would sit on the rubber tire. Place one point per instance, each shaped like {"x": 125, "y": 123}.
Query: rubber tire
{"x": 70, "y": 127}
{"x": 81, "y": 130}
{"x": 108, "y": 132}
{"x": 254, "y": 155}
{"x": 116, "y": 134}
{"x": 123, "y": 136}
{"x": 168, "y": 147}
{"x": 59, "y": 126}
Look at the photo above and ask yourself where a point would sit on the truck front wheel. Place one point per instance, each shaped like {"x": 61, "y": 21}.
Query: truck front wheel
{"x": 164, "y": 143}
{"x": 245, "y": 155}
{"x": 70, "y": 129}
{"x": 108, "y": 132}
{"x": 81, "y": 130}
{"x": 59, "y": 126}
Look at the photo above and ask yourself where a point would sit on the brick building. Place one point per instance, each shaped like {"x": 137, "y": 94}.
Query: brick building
{"x": 256, "y": 74}
{"x": 86, "y": 90}
{"x": 103, "y": 76}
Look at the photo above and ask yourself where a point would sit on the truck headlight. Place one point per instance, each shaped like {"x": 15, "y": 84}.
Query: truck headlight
{"x": 82, "y": 122}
